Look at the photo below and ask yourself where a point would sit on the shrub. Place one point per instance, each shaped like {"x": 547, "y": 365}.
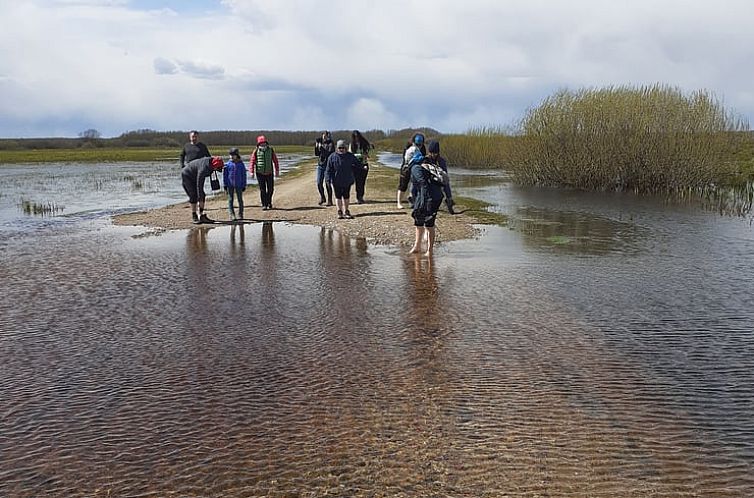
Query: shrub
{"x": 647, "y": 139}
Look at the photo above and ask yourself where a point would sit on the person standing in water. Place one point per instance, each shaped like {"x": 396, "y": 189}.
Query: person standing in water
{"x": 434, "y": 157}
{"x": 429, "y": 195}
{"x": 263, "y": 162}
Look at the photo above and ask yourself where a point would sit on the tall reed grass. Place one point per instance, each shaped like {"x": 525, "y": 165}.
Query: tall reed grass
{"x": 646, "y": 139}
{"x": 485, "y": 147}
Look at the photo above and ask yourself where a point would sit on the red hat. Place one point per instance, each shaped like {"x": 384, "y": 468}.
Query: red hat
{"x": 217, "y": 162}
{"x": 261, "y": 139}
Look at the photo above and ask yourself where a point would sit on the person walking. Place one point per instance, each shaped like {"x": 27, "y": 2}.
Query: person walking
{"x": 193, "y": 175}
{"x": 263, "y": 161}
{"x": 340, "y": 167}
{"x": 194, "y": 149}
{"x": 359, "y": 147}
{"x": 416, "y": 143}
{"x": 434, "y": 157}
{"x": 234, "y": 181}
{"x": 323, "y": 147}
{"x": 429, "y": 194}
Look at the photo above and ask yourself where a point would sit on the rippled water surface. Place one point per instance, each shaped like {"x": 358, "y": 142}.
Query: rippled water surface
{"x": 599, "y": 346}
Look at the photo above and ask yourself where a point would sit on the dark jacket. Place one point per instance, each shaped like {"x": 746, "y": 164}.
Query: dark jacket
{"x": 428, "y": 193}
{"x": 323, "y": 150}
{"x": 193, "y": 151}
{"x": 339, "y": 169}
{"x": 197, "y": 171}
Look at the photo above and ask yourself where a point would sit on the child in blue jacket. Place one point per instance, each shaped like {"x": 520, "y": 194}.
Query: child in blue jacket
{"x": 234, "y": 180}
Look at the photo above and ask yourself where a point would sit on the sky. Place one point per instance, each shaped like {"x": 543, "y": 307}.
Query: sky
{"x": 121, "y": 65}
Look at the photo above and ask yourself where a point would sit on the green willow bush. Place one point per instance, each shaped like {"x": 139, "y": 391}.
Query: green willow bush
{"x": 647, "y": 139}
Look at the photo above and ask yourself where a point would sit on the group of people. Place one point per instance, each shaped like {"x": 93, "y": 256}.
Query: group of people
{"x": 197, "y": 164}
{"x": 339, "y": 166}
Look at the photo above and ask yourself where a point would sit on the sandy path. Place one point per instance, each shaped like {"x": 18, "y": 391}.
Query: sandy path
{"x": 295, "y": 201}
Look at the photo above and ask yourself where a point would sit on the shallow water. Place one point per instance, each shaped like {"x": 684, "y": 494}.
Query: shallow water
{"x": 600, "y": 346}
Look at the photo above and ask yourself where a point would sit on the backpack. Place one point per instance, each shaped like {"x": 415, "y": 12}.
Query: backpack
{"x": 436, "y": 174}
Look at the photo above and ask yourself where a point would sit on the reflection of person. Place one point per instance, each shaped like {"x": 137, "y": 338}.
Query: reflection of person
{"x": 323, "y": 147}
{"x": 340, "y": 168}
{"x": 234, "y": 180}
{"x": 263, "y": 160}
{"x": 434, "y": 157}
{"x": 194, "y": 174}
{"x": 428, "y": 198}
{"x": 416, "y": 143}
{"x": 194, "y": 149}
{"x": 359, "y": 147}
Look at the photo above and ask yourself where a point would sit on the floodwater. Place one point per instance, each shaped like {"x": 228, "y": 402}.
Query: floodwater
{"x": 602, "y": 345}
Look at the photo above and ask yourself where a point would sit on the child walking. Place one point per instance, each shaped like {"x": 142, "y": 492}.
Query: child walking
{"x": 234, "y": 180}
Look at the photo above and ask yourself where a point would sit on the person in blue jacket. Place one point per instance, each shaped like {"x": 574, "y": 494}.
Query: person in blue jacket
{"x": 234, "y": 181}
{"x": 340, "y": 168}
{"x": 429, "y": 195}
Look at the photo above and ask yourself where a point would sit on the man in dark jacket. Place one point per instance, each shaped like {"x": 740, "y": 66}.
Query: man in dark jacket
{"x": 194, "y": 149}
{"x": 340, "y": 173}
{"x": 194, "y": 175}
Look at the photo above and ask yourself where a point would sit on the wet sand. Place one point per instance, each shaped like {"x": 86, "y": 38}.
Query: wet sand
{"x": 295, "y": 199}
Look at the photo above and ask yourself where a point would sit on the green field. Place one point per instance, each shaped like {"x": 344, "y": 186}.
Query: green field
{"x": 117, "y": 154}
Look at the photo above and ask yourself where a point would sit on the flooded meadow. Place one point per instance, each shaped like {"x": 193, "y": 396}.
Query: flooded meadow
{"x": 598, "y": 345}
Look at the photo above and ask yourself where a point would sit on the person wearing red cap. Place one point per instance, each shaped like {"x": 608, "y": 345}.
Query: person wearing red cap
{"x": 262, "y": 162}
{"x": 193, "y": 175}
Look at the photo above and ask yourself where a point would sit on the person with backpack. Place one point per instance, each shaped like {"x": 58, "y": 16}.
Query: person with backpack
{"x": 323, "y": 147}
{"x": 359, "y": 147}
{"x": 193, "y": 176}
{"x": 264, "y": 162}
{"x": 434, "y": 157}
{"x": 427, "y": 179}
{"x": 416, "y": 143}
{"x": 234, "y": 181}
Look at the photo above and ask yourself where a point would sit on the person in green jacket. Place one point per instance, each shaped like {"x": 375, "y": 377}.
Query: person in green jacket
{"x": 265, "y": 165}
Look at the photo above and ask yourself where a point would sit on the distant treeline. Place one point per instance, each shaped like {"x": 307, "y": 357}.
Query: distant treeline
{"x": 176, "y": 139}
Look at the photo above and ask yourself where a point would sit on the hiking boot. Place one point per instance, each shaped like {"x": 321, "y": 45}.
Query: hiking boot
{"x": 329, "y": 204}
{"x": 340, "y": 214}
{"x": 360, "y": 201}
{"x": 321, "y": 202}
{"x": 348, "y": 215}
{"x": 203, "y": 218}
{"x": 194, "y": 218}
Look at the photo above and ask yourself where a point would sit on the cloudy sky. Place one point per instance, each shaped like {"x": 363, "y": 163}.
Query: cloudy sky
{"x": 120, "y": 65}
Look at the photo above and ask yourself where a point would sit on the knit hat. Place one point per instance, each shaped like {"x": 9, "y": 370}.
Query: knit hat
{"x": 340, "y": 143}
{"x": 234, "y": 152}
{"x": 418, "y": 139}
{"x": 433, "y": 146}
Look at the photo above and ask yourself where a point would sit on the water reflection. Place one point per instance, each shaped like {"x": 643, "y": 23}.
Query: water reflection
{"x": 574, "y": 232}
{"x": 279, "y": 360}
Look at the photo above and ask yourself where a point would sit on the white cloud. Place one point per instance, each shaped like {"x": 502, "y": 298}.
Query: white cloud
{"x": 388, "y": 64}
